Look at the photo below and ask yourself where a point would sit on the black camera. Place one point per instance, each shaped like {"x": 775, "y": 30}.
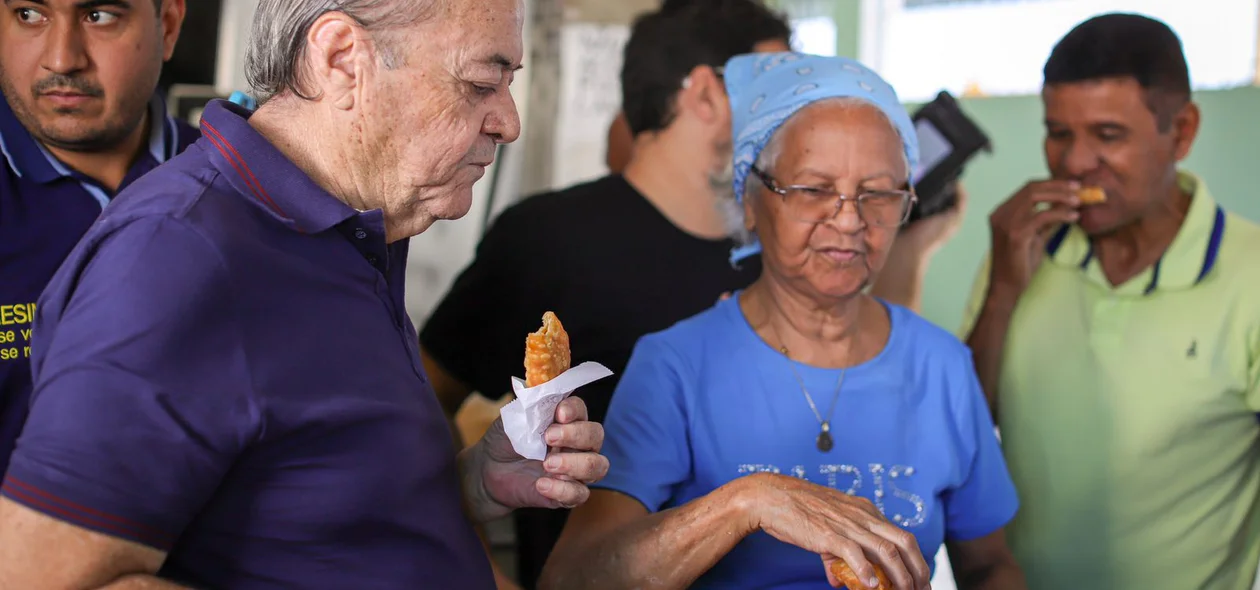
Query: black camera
{"x": 948, "y": 139}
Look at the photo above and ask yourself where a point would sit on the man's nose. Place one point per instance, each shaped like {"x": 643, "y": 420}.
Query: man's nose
{"x": 66, "y": 52}
{"x": 1079, "y": 159}
{"x": 504, "y": 122}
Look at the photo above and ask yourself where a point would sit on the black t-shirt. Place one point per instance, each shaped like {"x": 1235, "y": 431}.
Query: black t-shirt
{"x": 599, "y": 255}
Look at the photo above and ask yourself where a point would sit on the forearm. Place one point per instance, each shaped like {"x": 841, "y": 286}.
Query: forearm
{"x": 901, "y": 281}
{"x": 1002, "y": 576}
{"x": 501, "y": 580}
{"x": 668, "y": 549}
{"x": 142, "y": 582}
{"x": 988, "y": 343}
{"x": 478, "y": 505}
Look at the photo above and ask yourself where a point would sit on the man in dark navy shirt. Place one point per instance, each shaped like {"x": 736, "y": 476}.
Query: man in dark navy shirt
{"x": 228, "y": 390}
{"x": 79, "y": 122}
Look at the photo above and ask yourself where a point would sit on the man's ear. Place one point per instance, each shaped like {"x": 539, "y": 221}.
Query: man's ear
{"x": 750, "y": 213}
{"x": 333, "y": 47}
{"x": 1185, "y": 128}
{"x": 704, "y": 95}
{"x": 171, "y": 15}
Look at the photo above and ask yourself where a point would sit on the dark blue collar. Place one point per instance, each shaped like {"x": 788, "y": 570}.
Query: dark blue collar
{"x": 257, "y": 169}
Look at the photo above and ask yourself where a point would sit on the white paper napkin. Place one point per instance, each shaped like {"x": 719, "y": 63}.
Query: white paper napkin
{"x": 527, "y": 417}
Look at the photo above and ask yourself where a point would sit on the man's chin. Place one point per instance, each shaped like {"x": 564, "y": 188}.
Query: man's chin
{"x": 456, "y": 205}
{"x": 75, "y": 137}
{"x": 1098, "y": 222}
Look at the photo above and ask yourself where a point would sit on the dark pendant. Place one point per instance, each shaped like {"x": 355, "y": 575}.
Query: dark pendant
{"x": 824, "y": 440}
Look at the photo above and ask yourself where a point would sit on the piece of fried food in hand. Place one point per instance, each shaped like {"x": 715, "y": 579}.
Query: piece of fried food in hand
{"x": 546, "y": 352}
{"x": 1091, "y": 195}
{"x": 841, "y": 570}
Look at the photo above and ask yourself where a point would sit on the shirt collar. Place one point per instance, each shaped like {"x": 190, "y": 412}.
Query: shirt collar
{"x": 257, "y": 169}
{"x": 29, "y": 159}
{"x": 1189, "y": 259}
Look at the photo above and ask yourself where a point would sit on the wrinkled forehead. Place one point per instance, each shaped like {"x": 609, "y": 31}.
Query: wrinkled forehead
{"x": 497, "y": 20}
{"x": 852, "y": 120}
{"x": 853, "y": 114}
{"x": 484, "y": 32}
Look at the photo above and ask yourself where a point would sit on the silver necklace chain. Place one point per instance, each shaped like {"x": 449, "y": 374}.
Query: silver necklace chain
{"x": 824, "y": 441}
{"x": 801, "y": 382}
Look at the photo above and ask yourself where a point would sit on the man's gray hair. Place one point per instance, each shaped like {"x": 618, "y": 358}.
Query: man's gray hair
{"x": 277, "y": 40}
{"x": 733, "y": 211}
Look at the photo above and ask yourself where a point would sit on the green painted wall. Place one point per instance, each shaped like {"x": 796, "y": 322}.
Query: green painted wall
{"x": 848, "y": 25}
{"x": 1223, "y": 155}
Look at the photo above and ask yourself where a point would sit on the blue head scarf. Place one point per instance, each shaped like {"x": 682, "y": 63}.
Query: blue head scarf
{"x": 766, "y": 89}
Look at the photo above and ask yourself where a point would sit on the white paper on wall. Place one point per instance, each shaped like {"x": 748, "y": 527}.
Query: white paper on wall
{"x": 590, "y": 96}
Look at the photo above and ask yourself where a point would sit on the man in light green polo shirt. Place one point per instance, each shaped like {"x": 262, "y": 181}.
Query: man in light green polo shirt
{"x": 1119, "y": 344}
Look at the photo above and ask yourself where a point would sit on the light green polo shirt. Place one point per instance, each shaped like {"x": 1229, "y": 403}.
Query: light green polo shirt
{"x": 1130, "y": 416}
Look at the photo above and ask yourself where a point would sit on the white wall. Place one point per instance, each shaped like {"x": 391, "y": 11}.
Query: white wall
{"x": 233, "y": 31}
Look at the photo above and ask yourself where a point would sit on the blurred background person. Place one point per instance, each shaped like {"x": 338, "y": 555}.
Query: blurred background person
{"x": 81, "y": 120}
{"x": 1119, "y": 343}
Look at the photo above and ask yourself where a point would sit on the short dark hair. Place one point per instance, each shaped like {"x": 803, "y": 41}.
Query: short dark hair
{"x": 1121, "y": 45}
{"x": 666, "y": 45}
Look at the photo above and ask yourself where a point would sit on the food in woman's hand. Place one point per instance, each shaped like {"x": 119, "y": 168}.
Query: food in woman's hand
{"x": 841, "y": 570}
{"x": 1091, "y": 195}
{"x": 546, "y": 352}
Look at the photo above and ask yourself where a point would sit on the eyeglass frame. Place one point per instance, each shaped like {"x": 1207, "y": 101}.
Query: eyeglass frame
{"x": 909, "y": 198}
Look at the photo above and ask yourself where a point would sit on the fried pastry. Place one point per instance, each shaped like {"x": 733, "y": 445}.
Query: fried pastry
{"x": 841, "y": 570}
{"x": 1091, "y": 195}
{"x": 546, "y": 352}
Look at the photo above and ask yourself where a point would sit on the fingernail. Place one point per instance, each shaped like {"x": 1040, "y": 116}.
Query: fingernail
{"x": 553, "y": 436}
{"x": 552, "y": 463}
{"x": 1075, "y": 184}
{"x": 562, "y": 415}
{"x": 545, "y": 485}
{"x": 873, "y": 582}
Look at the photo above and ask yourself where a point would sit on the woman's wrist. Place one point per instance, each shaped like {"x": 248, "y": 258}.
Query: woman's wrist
{"x": 745, "y": 497}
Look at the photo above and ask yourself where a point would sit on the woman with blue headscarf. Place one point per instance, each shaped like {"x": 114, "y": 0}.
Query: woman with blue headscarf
{"x": 801, "y": 417}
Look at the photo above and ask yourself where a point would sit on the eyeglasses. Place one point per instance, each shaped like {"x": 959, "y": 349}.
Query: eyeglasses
{"x": 814, "y": 204}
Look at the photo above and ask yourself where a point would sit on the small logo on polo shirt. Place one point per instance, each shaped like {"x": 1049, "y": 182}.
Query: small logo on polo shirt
{"x": 1193, "y": 351}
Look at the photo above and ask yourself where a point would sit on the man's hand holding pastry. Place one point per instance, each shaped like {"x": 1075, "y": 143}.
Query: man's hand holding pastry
{"x": 1023, "y": 224}
{"x": 498, "y": 480}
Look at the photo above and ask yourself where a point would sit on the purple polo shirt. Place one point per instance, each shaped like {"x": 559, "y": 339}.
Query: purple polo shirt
{"x": 225, "y": 370}
{"x": 45, "y": 207}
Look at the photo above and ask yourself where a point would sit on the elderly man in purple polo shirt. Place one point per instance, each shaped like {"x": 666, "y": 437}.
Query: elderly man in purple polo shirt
{"x": 228, "y": 391}
{"x": 79, "y": 121}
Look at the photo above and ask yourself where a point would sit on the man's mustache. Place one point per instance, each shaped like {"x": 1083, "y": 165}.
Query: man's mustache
{"x": 63, "y": 82}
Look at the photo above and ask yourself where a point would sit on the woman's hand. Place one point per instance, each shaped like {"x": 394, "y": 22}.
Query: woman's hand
{"x": 836, "y": 525}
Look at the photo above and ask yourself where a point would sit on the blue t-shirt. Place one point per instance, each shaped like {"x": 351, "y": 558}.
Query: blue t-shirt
{"x": 708, "y": 401}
